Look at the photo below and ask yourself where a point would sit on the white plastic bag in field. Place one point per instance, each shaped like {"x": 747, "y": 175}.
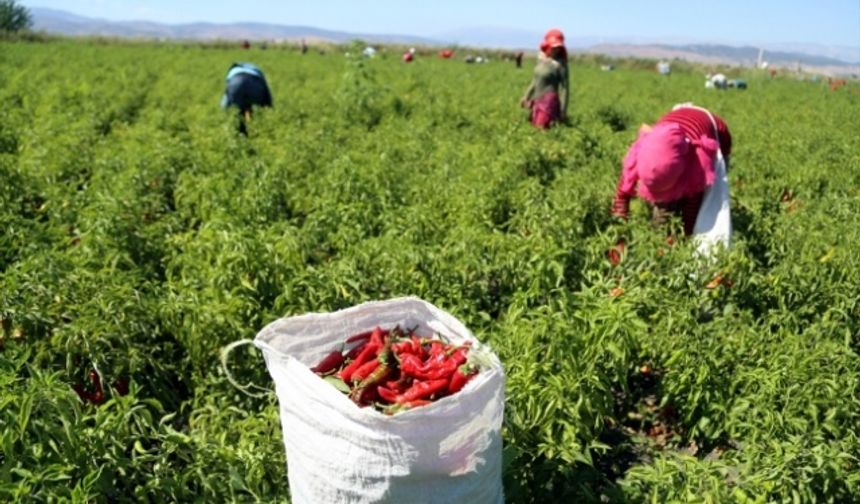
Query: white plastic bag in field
{"x": 714, "y": 222}
{"x": 448, "y": 451}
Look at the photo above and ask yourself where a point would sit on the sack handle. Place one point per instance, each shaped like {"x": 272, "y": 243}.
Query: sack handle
{"x": 225, "y": 354}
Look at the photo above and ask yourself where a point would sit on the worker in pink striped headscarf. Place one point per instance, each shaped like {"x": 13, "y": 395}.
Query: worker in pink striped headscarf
{"x": 672, "y": 163}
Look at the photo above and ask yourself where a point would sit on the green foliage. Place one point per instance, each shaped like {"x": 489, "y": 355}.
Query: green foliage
{"x": 141, "y": 234}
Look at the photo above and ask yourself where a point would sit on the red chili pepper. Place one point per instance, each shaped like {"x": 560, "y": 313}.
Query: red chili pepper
{"x": 422, "y": 390}
{"x": 380, "y": 372}
{"x": 436, "y": 347}
{"x": 616, "y": 253}
{"x": 369, "y": 396}
{"x": 410, "y": 346}
{"x": 354, "y": 351}
{"x": 83, "y": 394}
{"x": 402, "y": 347}
{"x": 400, "y": 384}
{"x": 96, "y": 380}
{"x": 459, "y": 379}
{"x": 376, "y": 337}
{"x": 417, "y": 347}
{"x": 364, "y": 370}
{"x": 411, "y": 365}
{"x": 329, "y": 363}
{"x": 367, "y": 353}
{"x": 121, "y": 386}
{"x": 446, "y": 368}
{"x": 96, "y": 397}
{"x": 387, "y": 394}
{"x": 434, "y": 361}
{"x": 359, "y": 337}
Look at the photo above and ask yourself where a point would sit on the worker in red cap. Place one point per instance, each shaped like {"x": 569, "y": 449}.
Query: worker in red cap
{"x": 672, "y": 163}
{"x": 544, "y": 95}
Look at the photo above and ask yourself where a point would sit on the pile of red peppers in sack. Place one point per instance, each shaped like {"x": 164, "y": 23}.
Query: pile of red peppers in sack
{"x": 395, "y": 370}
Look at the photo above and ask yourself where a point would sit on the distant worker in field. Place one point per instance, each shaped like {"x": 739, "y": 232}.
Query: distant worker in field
{"x": 544, "y": 95}
{"x": 672, "y": 164}
{"x": 519, "y": 59}
{"x": 716, "y": 81}
{"x": 246, "y": 88}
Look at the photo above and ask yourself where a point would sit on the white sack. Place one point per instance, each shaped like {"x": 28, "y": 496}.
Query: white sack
{"x": 714, "y": 223}
{"x": 449, "y": 451}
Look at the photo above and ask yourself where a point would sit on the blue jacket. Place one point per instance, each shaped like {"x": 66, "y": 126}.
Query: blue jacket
{"x": 246, "y": 68}
{"x": 246, "y": 86}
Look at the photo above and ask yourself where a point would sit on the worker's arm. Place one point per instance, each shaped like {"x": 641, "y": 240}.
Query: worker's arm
{"x": 527, "y": 97}
{"x": 626, "y": 188}
{"x": 621, "y": 205}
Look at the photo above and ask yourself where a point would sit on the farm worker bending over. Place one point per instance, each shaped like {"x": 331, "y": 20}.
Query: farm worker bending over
{"x": 672, "y": 163}
{"x": 246, "y": 87}
{"x": 544, "y": 96}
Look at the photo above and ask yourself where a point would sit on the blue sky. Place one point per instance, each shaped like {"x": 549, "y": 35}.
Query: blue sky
{"x": 826, "y": 22}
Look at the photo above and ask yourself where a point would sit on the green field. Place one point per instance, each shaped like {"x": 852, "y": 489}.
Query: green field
{"x": 139, "y": 234}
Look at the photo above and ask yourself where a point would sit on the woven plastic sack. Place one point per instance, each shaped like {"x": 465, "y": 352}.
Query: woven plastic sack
{"x": 713, "y": 226}
{"x": 448, "y": 451}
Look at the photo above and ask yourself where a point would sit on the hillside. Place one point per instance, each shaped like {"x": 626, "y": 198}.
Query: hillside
{"x": 65, "y": 23}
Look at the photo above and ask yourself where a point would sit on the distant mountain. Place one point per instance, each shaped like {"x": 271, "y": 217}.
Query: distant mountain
{"x": 825, "y": 59}
{"x": 511, "y": 38}
{"x": 843, "y": 53}
{"x": 714, "y": 54}
{"x": 750, "y": 55}
{"x": 65, "y": 23}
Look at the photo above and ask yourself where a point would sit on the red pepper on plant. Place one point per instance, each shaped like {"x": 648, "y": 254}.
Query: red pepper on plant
{"x": 96, "y": 397}
{"x": 121, "y": 386}
{"x": 616, "y": 252}
{"x": 96, "y": 380}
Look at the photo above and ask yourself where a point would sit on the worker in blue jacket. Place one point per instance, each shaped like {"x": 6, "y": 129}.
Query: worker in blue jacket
{"x": 246, "y": 87}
